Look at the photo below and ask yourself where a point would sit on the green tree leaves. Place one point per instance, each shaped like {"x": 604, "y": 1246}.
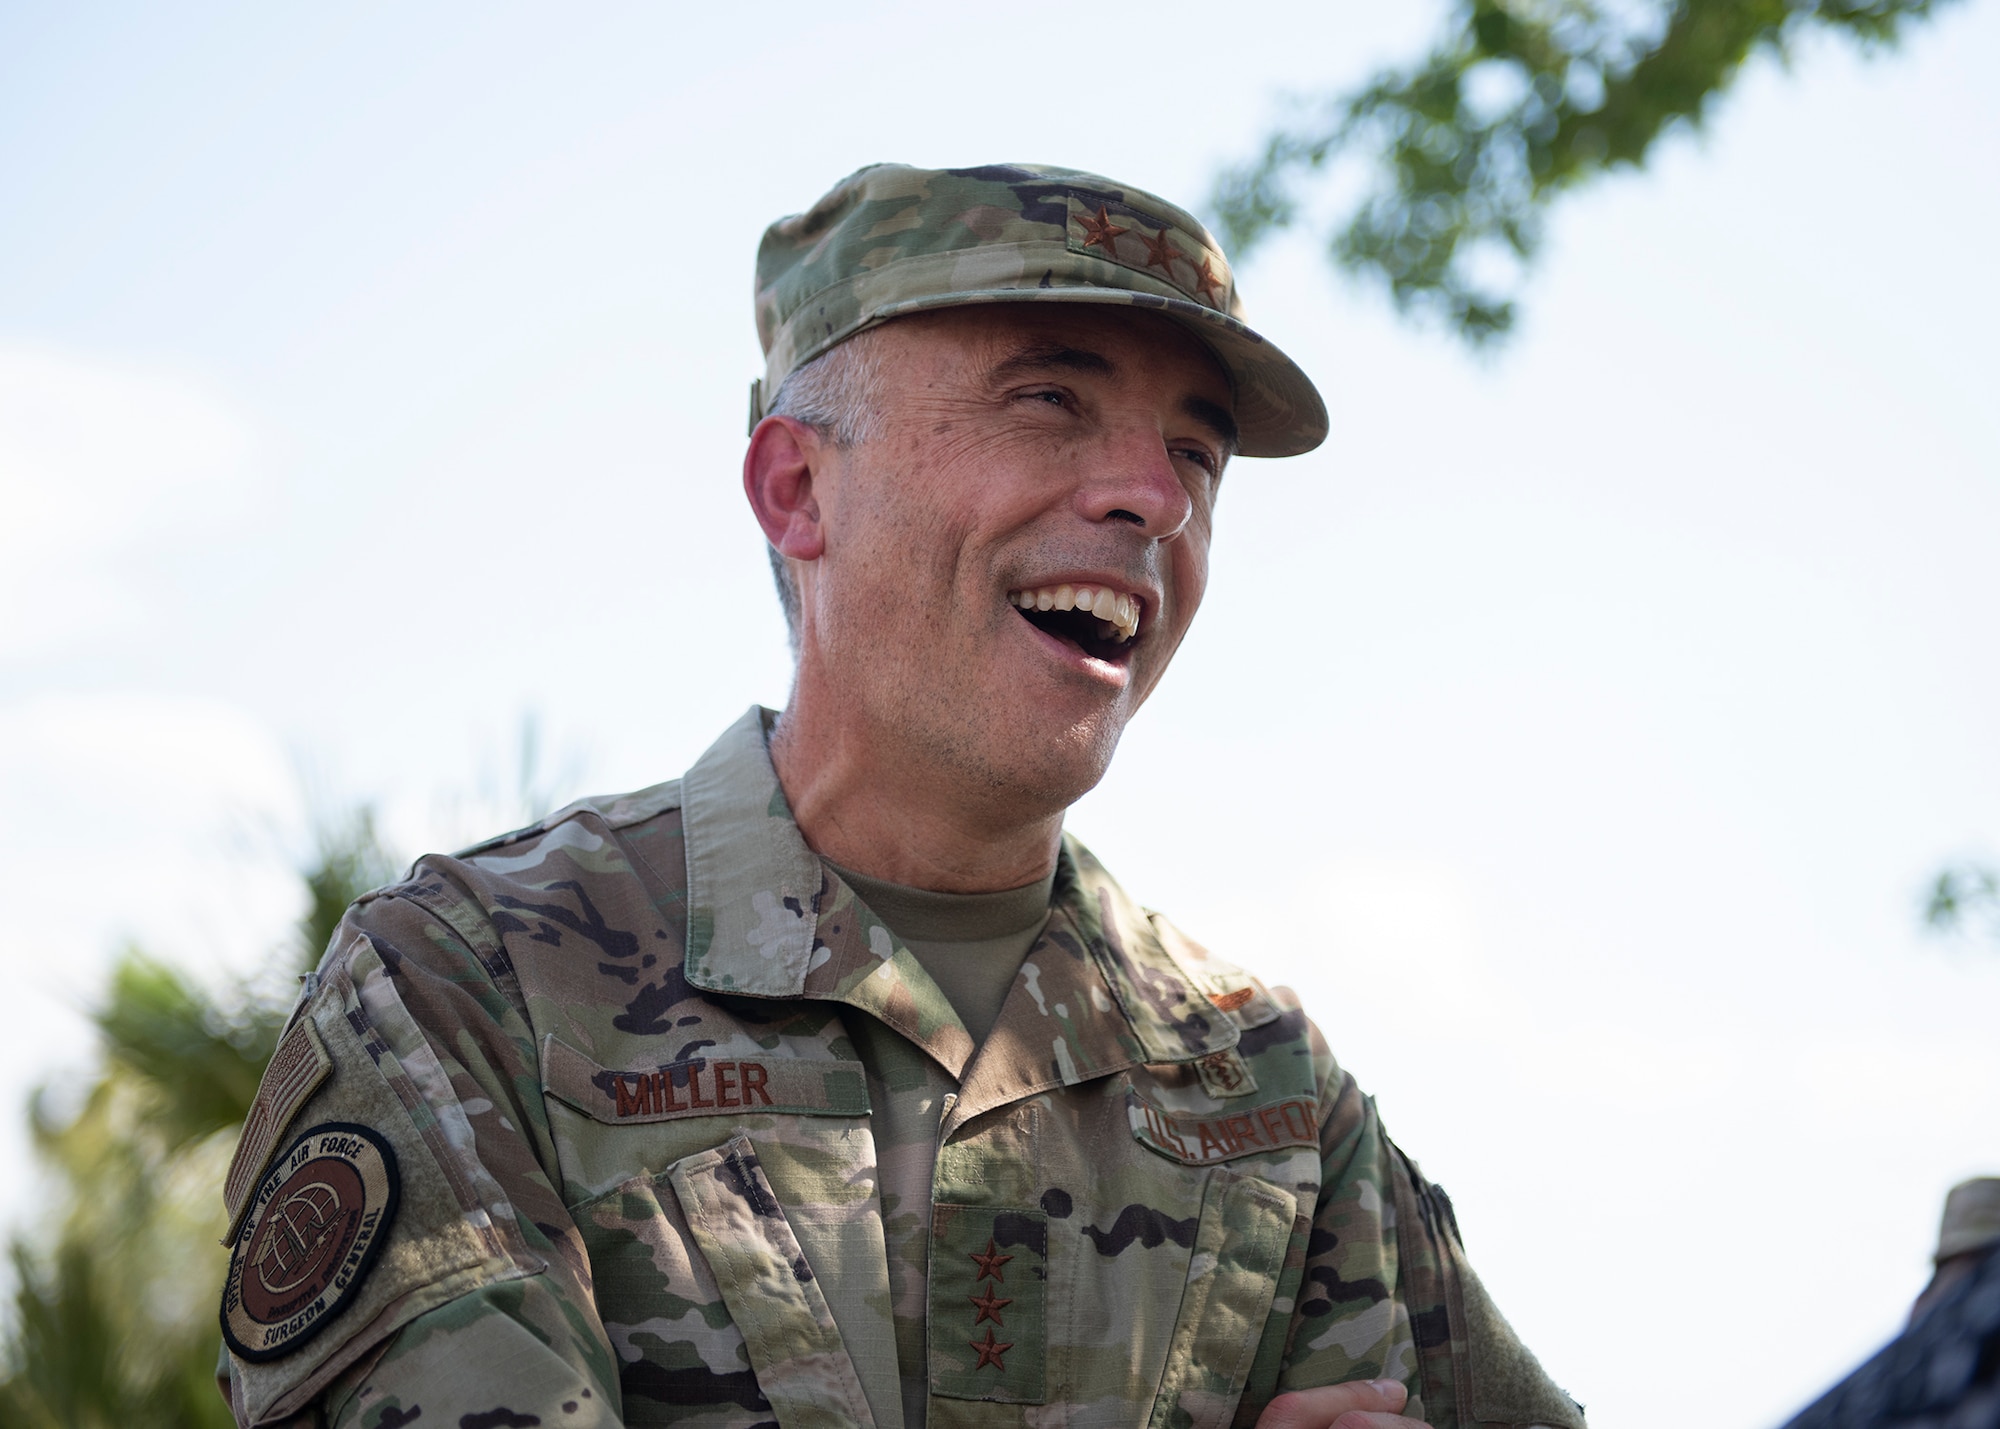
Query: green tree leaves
{"x": 1966, "y": 895}
{"x": 1519, "y": 102}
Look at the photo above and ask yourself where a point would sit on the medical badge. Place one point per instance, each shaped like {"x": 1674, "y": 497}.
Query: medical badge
{"x": 313, "y": 1228}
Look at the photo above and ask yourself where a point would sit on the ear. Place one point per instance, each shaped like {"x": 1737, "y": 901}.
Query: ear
{"x": 778, "y": 478}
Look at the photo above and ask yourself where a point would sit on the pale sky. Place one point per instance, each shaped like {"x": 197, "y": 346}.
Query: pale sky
{"x": 1576, "y": 730}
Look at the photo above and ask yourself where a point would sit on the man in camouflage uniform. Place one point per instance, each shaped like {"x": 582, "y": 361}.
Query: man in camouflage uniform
{"x": 833, "y": 1084}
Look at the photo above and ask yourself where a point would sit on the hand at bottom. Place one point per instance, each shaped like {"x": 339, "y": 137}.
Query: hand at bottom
{"x": 1363, "y": 1404}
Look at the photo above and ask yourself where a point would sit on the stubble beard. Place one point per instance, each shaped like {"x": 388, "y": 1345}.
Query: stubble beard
{"x": 993, "y": 767}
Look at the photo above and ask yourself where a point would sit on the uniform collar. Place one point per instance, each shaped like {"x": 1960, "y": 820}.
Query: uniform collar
{"x": 768, "y": 918}
{"x": 754, "y": 888}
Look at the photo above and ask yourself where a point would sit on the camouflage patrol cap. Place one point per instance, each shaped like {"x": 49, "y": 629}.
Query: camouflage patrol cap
{"x": 891, "y": 240}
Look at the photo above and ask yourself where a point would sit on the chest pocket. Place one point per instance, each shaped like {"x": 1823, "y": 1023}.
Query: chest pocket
{"x": 704, "y": 1278}
{"x": 709, "y": 1301}
{"x": 1240, "y": 1249}
{"x": 802, "y": 1365}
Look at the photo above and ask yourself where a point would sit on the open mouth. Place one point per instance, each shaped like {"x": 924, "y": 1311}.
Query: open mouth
{"x": 1099, "y": 622}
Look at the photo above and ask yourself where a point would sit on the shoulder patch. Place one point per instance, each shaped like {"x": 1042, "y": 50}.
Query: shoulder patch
{"x": 297, "y": 1068}
{"x": 317, "y": 1221}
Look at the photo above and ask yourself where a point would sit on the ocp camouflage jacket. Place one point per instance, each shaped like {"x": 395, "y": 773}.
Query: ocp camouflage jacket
{"x": 582, "y": 1127}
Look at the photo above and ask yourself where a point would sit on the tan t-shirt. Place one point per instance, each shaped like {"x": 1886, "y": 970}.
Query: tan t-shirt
{"x": 972, "y": 945}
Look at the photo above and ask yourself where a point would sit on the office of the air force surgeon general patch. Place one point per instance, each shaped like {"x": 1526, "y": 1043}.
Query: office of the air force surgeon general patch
{"x": 314, "y": 1226}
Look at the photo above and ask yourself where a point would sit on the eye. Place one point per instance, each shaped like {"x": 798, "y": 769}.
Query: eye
{"x": 1201, "y": 457}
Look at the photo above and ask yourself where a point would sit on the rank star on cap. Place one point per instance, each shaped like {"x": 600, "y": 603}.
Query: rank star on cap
{"x": 1207, "y": 281}
{"x": 1161, "y": 252}
{"x": 1100, "y": 231}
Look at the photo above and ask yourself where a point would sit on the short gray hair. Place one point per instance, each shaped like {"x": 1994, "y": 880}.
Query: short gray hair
{"x": 837, "y": 395}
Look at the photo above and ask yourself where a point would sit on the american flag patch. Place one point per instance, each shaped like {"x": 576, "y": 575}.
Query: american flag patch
{"x": 297, "y": 1068}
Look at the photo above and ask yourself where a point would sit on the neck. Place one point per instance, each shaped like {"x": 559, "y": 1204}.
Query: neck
{"x": 864, "y": 802}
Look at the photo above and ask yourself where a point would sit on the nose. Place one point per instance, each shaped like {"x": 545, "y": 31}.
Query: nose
{"x": 1138, "y": 483}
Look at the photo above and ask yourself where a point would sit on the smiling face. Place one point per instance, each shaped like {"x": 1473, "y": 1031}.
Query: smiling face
{"x": 1012, "y": 556}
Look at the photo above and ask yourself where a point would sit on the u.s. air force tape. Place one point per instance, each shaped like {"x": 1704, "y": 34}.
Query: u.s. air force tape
{"x": 313, "y": 1228}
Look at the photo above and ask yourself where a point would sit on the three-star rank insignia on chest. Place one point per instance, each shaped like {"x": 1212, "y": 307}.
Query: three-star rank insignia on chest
{"x": 313, "y": 1228}
{"x": 989, "y": 1275}
{"x": 992, "y": 1265}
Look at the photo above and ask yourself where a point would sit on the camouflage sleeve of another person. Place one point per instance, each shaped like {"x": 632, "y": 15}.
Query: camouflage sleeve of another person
{"x": 478, "y": 1301}
{"x": 1387, "y": 1291}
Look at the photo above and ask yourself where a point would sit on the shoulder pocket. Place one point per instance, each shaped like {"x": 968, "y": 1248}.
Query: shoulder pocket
{"x": 1475, "y": 1370}
{"x": 1239, "y": 1252}
{"x": 384, "y": 1111}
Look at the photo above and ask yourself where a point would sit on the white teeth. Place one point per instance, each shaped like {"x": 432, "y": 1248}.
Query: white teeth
{"x": 1120, "y": 612}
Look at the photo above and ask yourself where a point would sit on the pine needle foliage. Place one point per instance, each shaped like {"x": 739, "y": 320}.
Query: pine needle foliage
{"x": 1518, "y": 103}
{"x": 114, "y": 1324}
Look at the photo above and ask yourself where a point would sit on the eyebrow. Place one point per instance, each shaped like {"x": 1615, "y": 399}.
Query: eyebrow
{"x": 1215, "y": 417}
{"x": 1042, "y": 356}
